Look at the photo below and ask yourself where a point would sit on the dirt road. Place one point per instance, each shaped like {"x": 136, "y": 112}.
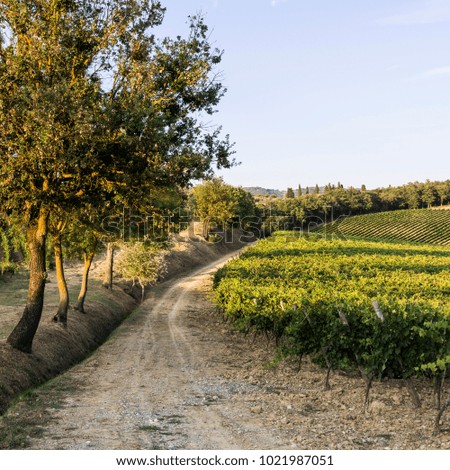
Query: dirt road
{"x": 157, "y": 384}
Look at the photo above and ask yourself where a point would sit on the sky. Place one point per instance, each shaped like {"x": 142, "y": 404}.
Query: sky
{"x": 326, "y": 91}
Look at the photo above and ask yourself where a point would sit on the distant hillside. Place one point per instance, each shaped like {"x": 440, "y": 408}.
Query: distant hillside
{"x": 258, "y": 191}
{"x": 420, "y": 225}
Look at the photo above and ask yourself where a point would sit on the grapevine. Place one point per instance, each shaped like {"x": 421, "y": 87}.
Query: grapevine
{"x": 419, "y": 225}
{"x": 382, "y": 308}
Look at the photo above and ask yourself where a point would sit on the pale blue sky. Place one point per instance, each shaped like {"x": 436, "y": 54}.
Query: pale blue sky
{"x": 356, "y": 91}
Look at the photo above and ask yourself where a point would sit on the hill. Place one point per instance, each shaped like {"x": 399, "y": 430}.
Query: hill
{"x": 259, "y": 191}
{"x": 421, "y": 226}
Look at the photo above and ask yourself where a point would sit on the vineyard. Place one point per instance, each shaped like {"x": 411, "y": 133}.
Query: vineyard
{"x": 421, "y": 225}
{"x": 379, "y": 308}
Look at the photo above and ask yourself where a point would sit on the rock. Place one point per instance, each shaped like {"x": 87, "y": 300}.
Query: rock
{"x": 397, "y": 399}
{"x": 377, "y": 407}
{"x": 257, "y": 410}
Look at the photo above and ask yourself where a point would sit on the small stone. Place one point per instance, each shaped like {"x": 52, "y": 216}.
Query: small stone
{"x": 397, "y": 399}
{"x": 377, "y": 407}
{"x": 257, "y": 410}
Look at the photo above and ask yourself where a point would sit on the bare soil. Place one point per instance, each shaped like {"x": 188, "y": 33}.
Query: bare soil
{"x": 175, "y": 375}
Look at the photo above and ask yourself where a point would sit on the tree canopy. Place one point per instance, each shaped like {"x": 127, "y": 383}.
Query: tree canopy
{"x": 96, "y": 112}
{"x": 216, "y": 202}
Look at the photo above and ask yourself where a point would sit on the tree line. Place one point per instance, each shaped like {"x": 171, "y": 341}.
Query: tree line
{"x": 97, "y": 113}
{"x": 333, "y": 201}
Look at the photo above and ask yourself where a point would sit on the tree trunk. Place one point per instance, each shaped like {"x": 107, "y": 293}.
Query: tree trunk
{"x": 61, "y": 315}
{"x": 108, "y": 278}
{"x": 22, "y": 336}
{"x": 205, "y": 226}
{"x": 88, "y": 258}
{"x": 142, "y": 290}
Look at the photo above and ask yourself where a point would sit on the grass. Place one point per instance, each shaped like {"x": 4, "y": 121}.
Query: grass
{"x": 15, "y": 434}
{"x": 17, "y": 428}
{"x": 175, "y": 419}
{"x": 150, "y": 428}
{"x": 13, "y": 289}
{"x": 28, "y": 416}
{"x": 155, "y": 428}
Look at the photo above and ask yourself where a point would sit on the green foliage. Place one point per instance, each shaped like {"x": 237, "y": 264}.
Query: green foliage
{"x": 141, "y": 262}
{"x": 17, "y": 239}
{"x": 12, "y": 238}
{"x": 318, "y": 295}
{"x": 333, "y": 201}
{"x": 79, "y": 240}
{"x": 290, "y": 193}
{"x": 97, "y": 113}
{"x": 71, "y": 140}
{"x": 222, "y": 204}
{"x": 4, "y": 245}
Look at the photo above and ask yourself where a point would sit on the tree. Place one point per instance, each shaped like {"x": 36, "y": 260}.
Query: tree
{"x": 67, "y": 140}
{"x": 300, "y": 191}
{"x": 57, "y": 229}
{"x": 220, "y": 203}
{"x": 141, "y": 263}
{"x": 244, "y": 209}
{"x": 429, "y": 195}
{"x": 290, "y": 193}
{"x": 46, "y": 103}
{"x": 81, "y": 241}
{"x": 154, "y": 111}
{"x": 443, "y": 191}
{"x": 316, "y": 189}
{"x": 213, "y": 204}
{"x": 412, "y": 195}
